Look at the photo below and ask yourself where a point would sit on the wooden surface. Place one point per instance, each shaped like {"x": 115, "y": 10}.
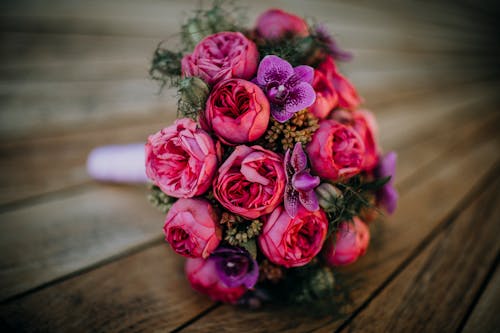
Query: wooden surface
{"x": 79, "y": 256}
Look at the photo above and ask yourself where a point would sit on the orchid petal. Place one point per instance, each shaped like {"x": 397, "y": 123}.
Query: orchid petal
{"x": 300, "y": 97}
{"x": 291, "y": 201}
{"x": 304, "y": 73}
{"x": 303, "y": 181}
{"x": 280, "y": 114}
{"x": 273, "y": 69}
{"x": 309, "y": 200}
{"x": 299, "y": 158}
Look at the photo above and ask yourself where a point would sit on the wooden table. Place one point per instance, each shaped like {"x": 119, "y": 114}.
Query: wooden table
{"x": 76, "y": 255}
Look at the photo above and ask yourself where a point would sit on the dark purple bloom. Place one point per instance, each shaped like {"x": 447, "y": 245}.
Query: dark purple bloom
{"x": 235, "y": 266}
{"x": 387, "y": 196}
{"x": 288, "y": 89}
{"x": 332, "y": 47}
{"x": 300, "y": 184}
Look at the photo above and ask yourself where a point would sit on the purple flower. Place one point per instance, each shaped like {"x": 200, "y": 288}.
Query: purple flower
{"x": 332, "y": 46}
{"x": 387, "y": 196}
{"x": 300, "y": 183}
{"x": 288, "y": 89}
{"x": 235, "y": 266}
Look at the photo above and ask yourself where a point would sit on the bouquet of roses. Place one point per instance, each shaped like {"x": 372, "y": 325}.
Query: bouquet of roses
{"x": 271, "y": 174}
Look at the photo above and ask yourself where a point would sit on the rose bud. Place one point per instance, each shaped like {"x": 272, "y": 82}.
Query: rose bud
{"x": 192, "y": 228}
{"x": 336, "y": 151}
{"x": 326, "y": 96}
{"x": 365, "y": 124}
{"x": 237, "y": 111}
{"x": 293, "y": 242}
{"x": 204, "y": 278}
{"x": 235, "y": 266}
{"x": 222, "y": 56}
{"x": 347, "y": 95}
{"x": 348, "y": 244}
{"x": 181, "y": 159}
{"x": 251, "y": 182}
{"x": 276, "y": 23}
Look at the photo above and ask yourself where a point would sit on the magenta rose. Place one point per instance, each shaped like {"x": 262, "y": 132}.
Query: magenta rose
{"x": 365, "y": 124}
{"x": 276, "y": 24}
{"x": 326, "y": 96}
{"x": 237, "y": 112}
{"x": 221, "y": 56}
{"x": 348, "y": 244}
{"x": 251, "y": 182}
{"x": 347, "y": 95}
{"x": 336, "y": 151}
{"x": 181, "y": 159}
{"x": 192, "y": 228}
{"x": 204, "y": 278}
{"x": 293, "y": 242}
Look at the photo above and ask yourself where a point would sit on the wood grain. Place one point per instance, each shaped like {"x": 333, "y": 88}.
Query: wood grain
{"x": 435, "y": 291}
{"x": 485, "y": 317}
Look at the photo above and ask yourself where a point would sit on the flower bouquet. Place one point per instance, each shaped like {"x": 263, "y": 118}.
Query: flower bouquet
{"x": 272, "y": 171}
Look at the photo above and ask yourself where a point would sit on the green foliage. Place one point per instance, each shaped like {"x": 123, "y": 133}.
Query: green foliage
{"x": 166, "y": 66}
{"x": 160, "y": 200}
{"x": 296, "y": 51}
{"x": 193, "y": 94}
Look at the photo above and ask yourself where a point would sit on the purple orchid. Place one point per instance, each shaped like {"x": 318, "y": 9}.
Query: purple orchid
{"x": 235, "y": 266}
{"x": 332, "y": 46}
{"x": 288, "y": 89}
{"x": 300, "y": 183}
{"x": 387, "y": 196}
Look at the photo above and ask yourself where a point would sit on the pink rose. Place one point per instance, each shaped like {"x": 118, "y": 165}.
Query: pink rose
{"x": 336, "y": 151}
{"x": 237, "y": 112}
{"x": 276, "y": 24}
{"x": 365, "y": 124}
{"x": 221, "y": 56}
{"x": 192, "y": 228}
{"x": 293, "y": 242}
{"x": 347, "y": 96}
{"x": 181, "y": 159}
{"x": 202, "y": 275}
{"x": 326, "y": 96}
{"x": 251, "y": 182}
{"x": 349, "y": 243}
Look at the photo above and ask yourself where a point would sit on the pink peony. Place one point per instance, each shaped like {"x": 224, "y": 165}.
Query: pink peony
{"x": 251, "y": 182}
{"x": 181, "y": 159}
{"x": 276, "y": 24}
{"x": 221, "y": 56}
{"x": 293, "y": 242}
{"x": 336, "y": 151}
{"x": 237, "y": 112}
{"x": 326, "y": 96}
{"x": 347, "y": 96}
{"x": 365, "y": 124}
{"x": 203, "y": 276}
{"x": 192, "y": 228}
{"x": 349, "y": 243}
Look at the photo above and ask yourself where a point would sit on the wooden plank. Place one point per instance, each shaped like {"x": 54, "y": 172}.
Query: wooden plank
{"x": 152, "y": 282}
{"x": 461, "y": 163}
{"x": 484, "y": 317}
{"x": 50, "y": 239}
{"x": 417, "y": 216}
{"x": 435, "y": 291}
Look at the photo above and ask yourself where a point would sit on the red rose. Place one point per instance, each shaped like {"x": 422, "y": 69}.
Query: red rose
{"x": 181, "y": 159}
{"x": 192, "y": 228}
{"x": 348, "y": 244}
{"x": 202, "y": 274}
{"x": 347, "y": 96}
{"x": 326, "y": 95}
{"x": 276, "y": 24}
{"x": 237, "y": 112}
{"x": 221, "y": 56}
{"x": 293, "y": 242}
{"x": 251, "y": 182}
{"x": 336, "y": 151}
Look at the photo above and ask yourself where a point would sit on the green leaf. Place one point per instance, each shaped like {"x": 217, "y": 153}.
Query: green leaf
{"x": 376, "y": 184}
{"x": 251, "y": 247}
